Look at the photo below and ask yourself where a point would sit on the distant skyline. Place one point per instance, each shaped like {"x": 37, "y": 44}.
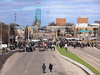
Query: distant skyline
{"x": 69, "y": 9}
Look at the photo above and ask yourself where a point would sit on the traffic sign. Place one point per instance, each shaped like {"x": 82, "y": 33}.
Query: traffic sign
{"x": 84, "y": 31}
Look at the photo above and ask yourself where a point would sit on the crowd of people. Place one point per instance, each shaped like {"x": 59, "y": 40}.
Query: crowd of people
{"x": 74, "y": 44}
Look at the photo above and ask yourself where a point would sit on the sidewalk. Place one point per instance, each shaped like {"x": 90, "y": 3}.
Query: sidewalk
{"x": 4, "y": 57}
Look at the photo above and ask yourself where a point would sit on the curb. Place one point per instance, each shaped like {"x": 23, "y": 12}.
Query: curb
{"x": 96, "y": 48}
{"x": 6, "y": 57}
{"x": 76, "y": 63}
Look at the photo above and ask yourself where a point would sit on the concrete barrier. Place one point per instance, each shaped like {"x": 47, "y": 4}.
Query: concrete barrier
{"x": 76, "y": 63}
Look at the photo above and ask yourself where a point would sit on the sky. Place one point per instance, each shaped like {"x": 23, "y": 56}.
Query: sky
{"x": 69, "y": 9}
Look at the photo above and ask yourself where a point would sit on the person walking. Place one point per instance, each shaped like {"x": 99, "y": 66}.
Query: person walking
{"x": 34, "y": 49}
{"x": 50, "y": 67}
{"x": 43, "y": 67}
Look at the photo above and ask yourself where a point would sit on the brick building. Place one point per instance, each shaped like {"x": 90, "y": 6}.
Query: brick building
{"x": 82, "y": 27}
{"x": 60, "y": 21}
{"x": 82, "y": 20}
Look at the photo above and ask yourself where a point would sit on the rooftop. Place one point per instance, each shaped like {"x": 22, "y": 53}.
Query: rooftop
{"x": 94, "y": 24}
{"x": 82, "y": 16}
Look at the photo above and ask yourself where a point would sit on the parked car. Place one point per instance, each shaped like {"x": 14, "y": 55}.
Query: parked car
{"x": 28, "y": 49}
{"x": 42, "y": 48}
{"x": 2, "y": 48}
{"x": 12, "y": 47}
{"x": 21, "y": 49}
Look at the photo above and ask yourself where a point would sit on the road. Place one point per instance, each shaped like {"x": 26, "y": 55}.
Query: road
{"x": 92, "y": 56}
{"x": 30, "y": 63}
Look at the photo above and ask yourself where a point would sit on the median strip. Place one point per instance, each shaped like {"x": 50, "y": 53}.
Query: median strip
{"x": 77, "y": 59}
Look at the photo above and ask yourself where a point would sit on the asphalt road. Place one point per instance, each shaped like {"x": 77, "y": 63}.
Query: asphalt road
{"x": 30, "y": 63}
{"x": 92, "y": 56}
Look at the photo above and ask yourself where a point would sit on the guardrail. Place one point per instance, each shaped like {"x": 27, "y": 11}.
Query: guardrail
{"x": 76, "y": 63}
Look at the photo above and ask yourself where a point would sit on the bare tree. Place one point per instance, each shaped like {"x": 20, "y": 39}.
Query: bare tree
{"x": 4, "y": 33}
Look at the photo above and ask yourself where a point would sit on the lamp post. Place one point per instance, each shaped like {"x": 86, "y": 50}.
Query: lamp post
{"x": 47, "y": 16}
{"x": 96, "y": 37}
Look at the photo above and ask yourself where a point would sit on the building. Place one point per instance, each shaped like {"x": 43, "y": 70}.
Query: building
{"x": 85, "y": 30}
{"x": 82, "y": 21}
{"x": 60, "y": 21}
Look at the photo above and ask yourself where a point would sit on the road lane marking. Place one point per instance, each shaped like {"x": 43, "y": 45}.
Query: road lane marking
{"x": 28, "y": 64}
{"x": 87, "y": 54}
{"x": 85, "y": 60}
{"x": 12, "y": 65}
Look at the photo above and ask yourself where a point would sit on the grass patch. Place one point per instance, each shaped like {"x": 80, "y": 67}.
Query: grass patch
{"x": 77, "y": 59}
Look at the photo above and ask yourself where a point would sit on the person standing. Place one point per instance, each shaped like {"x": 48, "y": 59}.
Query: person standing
{"x": 51, "y": 48}
{"x": 74, "y": 46}
{"x": 6, "y": 50}
{"x": 66, "y": 47}
{"x": 45, "y": 45}
{"x": 54, "y": 47}
{"x": 50, "y": 67}
{"x": 43, "y": 67}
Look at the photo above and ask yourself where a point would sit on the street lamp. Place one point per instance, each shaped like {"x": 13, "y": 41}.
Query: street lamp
{"x": 48, "y": 16}
{"x": 96, "y": 36}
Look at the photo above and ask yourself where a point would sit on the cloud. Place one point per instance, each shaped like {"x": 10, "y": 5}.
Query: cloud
{"x": 28, "y": 0}
{"x": 7, "y": 0}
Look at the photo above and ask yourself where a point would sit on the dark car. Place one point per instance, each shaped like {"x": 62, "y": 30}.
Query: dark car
{"x": 21, "y": 49}
{"x": 42, "y": 48}
{"x": 36, "y": 45}
{"x": 29, "y": 49}
{"x": 12, "y": 47}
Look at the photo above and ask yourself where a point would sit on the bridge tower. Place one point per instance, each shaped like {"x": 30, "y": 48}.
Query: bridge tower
{"x": 38, "y": 13}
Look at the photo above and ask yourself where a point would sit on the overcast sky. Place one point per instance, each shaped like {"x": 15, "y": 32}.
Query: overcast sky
{"x": 69, "y": 9}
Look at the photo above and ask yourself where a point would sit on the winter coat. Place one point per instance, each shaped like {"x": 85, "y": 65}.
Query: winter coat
{"x": 43, "y": 66}
{"x": 50, "y": 66}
